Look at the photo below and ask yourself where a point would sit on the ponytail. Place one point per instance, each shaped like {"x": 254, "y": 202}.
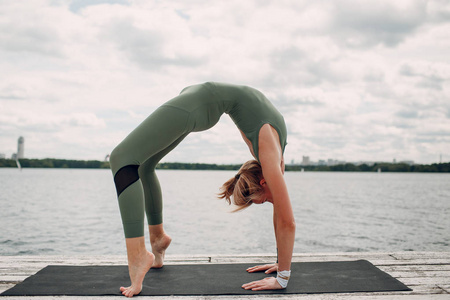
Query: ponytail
{"x": 244, "y": 186}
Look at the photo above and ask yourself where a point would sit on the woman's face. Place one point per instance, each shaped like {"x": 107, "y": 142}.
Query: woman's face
{"x": 266, "y": 197}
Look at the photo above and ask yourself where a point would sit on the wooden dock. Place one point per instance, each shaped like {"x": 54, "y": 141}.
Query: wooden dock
{"x": 427, "y": 273}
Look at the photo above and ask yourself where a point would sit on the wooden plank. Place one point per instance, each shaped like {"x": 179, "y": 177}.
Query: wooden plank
{"x": 425, "y": 289}
{"x": 325, "y": 254}
{"x": 302, "y": 297}
{"x": 13, "y": 278}
{"x": 407, "y": 268}
{"x": 423, "y": 255}
{"x": 427, "y": 264}
{"x": 116, "y": 258}
{"x": 6, "y": 286}
{"x": 255, "y": 260}
{"x": 268, "y": 258}
{"x": 419, "y": 261}
{"x": 344, "y": 256}
{"x": 427, "y": 273}
{"x": 388, "y": 258}
{"x": 425, "y": 280}
{"x": 306, "y": 255}
{"x": 364, "y": 296}
{"x": 414, "y": 274}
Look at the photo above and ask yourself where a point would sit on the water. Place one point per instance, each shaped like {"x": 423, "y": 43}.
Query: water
{"x": 72, "y": 211}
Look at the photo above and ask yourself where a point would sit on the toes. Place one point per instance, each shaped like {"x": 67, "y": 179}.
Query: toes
{"x": 126, "y": 291}
{"x": 132, "y": 292}
{"x": 129, "y": 291}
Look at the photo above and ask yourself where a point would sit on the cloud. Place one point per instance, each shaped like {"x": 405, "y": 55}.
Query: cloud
{"x": 13, "y": 92}
{"x": 354, "y": 80}
{"x": 27, "y": 30}
{"x": 361, "y": 24}
{"x": 29, "y": 121}
{"x": 408, "y": 114}
{"x": 145, "y": 47}
{"x": 438, "y": 11}
{"x": 426, "y": 80}
{"x": 77, "y": 5}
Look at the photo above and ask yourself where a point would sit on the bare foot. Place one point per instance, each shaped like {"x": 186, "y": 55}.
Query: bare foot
{"x": 159, "y": 246}
{"x": 137, "y": 268}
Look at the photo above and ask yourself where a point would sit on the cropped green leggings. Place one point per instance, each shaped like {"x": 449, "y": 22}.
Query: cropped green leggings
{"x": 134, "y": 160}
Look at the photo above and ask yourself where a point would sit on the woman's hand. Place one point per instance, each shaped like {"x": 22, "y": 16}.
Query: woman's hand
{"x": 267, "y": 268}
{"x": 269, "y": 283}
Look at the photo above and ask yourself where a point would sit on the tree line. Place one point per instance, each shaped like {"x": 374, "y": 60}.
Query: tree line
{"x": 347, "y": 167}
{"x": 383, "y": 167}
{"x": 54, "y": 163}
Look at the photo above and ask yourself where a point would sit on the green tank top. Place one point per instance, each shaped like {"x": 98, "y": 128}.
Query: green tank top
{"x": 250, "y": 110}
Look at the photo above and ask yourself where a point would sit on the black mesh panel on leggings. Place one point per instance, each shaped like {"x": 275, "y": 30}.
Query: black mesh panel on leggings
{"x": 125, "y": 177}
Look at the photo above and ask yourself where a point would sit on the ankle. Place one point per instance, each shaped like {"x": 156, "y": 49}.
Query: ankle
{"x": 157, "y": 238}
{"x": 138, "y": 257}
{"x": 156, "y": 232}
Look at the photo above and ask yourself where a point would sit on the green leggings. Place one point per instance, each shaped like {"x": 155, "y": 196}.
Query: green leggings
{"x": 134, "y": 160}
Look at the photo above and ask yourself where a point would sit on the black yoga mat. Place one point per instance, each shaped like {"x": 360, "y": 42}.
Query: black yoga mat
{"x": 206, "y": 279}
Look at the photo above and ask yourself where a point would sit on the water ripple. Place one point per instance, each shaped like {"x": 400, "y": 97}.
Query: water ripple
{"x": 57, "y": 211}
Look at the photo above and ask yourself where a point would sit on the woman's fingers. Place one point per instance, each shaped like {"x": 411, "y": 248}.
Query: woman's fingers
{"x": 269, "y": 283}
{"x": 272, "y": 269}
{"x": 269, "y": 267}
{"x": 257, "y": 269}
{"x": 253, "y": 284}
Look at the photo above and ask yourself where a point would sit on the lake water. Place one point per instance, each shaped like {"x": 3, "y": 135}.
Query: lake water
{"x": 73, "y": 211}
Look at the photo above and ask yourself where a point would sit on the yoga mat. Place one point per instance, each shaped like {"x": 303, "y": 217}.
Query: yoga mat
{"x": 206, "y": 279}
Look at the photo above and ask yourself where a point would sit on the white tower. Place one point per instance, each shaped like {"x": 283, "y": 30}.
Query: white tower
{"x": 305, "y": 161}
{"x": 20, "y": 147}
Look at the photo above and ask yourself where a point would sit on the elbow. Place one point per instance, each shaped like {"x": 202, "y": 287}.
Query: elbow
{"x": 287, "y": 226}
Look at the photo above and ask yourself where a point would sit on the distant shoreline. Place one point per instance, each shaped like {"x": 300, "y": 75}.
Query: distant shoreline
{"x": 347, "y": 167}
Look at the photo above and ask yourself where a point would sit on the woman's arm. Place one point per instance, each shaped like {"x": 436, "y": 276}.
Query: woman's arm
{"x": 271, "y": 159}
{"x": 284, "y": 222}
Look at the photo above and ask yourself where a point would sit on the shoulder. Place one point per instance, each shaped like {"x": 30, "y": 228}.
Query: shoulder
{"x": 270, "y": 153}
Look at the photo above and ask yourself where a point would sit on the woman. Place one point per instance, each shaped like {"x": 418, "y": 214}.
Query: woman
{"x": 198, "y": 108}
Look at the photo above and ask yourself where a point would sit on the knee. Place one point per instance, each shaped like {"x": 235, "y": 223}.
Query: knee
{"x": 115, "y": 158}
{"x": 125, "y": 172}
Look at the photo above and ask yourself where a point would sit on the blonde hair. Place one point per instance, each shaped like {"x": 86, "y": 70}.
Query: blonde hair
{"x": 244, "y": 187}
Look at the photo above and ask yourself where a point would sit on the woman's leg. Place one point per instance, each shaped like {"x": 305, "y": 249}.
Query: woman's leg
{"x": 150, "y": 141}
{"x": 158, "y": 132}
{"x": 159, "y": 239}
{"x": 139, "y": 262}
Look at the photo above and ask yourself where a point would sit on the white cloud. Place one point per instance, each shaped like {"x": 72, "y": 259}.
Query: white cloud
{"x": 355, "y": 80}
{"x": 370, "y": 23}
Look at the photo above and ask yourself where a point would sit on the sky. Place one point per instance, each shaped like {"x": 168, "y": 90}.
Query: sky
{"x": 355, "y": 80}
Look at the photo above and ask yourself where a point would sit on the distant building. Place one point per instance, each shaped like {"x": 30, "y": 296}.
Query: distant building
{"x": 14, "y": 156}
{"x": 2, "y": 156}
{"x": 20, "y": 148}
{"x": 305, "y": 161}
{"x": 322, "y": 162}
{"x": 333, "y": 162}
